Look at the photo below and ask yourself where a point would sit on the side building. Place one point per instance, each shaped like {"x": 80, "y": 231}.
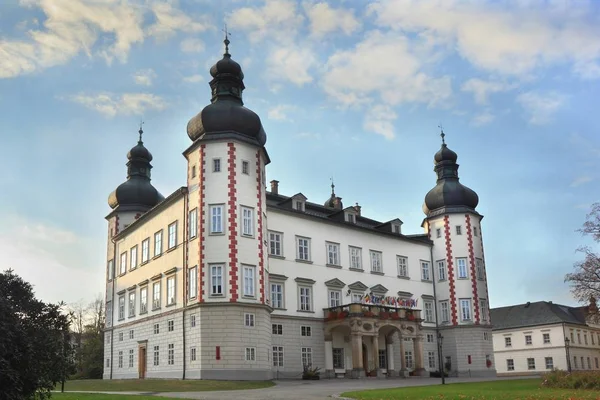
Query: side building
{"x": 534, "y": 338}
{"x": 226, "y": 279}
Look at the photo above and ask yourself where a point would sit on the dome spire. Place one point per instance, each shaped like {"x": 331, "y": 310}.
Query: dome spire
{"x": 141, "y": 132}
{"x": 332, "y": 187}
{"x": 442, "y": 134}
{"x": 226, "y": 41}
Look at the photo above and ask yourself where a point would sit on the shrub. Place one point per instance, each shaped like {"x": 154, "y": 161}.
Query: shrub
{"x": 572, "y": 380}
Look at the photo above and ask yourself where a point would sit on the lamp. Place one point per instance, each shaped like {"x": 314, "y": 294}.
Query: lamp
{"x": 440, "y": 340}
{"x": 567, "y": 342}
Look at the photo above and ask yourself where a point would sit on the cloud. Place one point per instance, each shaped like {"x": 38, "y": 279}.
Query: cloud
{"x": 279, "y": 112}
{"x": 278, "y": 19}
{"x": 291, "y": 64}
{"x": 581, "y": 180}
{"x": 324, "y": 19}
{"x": 483, "y": 118}
{"x": 482, "y": 89}
{"x": 111, "y": 104}
{"x": 192, "y": 45}
{"x": 380, "y": 120}
{"x": 540, "y": 106}
{"x": 144, "y": 77}
{"x": 170, "y": 20}
{"x": 193, "y": 78}
{"x": 513, "y": 37}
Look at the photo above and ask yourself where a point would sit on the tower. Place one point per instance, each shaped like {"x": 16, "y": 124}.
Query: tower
{"x": 227, "y": 216}
{"x": 454, "y": 226}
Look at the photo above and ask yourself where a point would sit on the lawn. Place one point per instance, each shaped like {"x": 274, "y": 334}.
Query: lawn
{"x": 159, "y": 385}
{"x": 498, "y": 390}
{"x": 90, "y": 396}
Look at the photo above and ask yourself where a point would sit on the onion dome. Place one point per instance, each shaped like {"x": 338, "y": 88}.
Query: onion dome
{"x": 226, "y": 114}
{"x": 136, "y": 193}
{"x": 449, "y": 192}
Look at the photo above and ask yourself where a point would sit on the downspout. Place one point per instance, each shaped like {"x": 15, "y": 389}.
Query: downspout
{"x": 112, "y": 301}
{"x": 185, "y": 270}
{"x": 435, "y": 308}
{"x": 565, "y": 345}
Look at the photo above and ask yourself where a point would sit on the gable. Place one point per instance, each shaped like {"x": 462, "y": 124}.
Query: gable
{"x": 358, "y": 285}
{"x": 379, "y": 289}
{"x": 335, "y": 282}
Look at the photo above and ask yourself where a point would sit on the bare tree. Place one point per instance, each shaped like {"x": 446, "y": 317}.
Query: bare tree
{"x": 585, "y": 279}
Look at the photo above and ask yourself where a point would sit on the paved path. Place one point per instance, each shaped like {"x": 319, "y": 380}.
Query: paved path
{"x": 312, "y": 390}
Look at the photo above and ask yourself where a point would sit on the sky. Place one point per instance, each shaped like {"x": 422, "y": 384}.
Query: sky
{"x": 352, "y": 90}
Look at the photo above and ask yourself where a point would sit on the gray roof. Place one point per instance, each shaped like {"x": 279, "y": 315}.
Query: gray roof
{"x": 538, "y": 313}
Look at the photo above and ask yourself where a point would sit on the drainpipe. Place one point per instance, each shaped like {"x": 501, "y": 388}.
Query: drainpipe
{"x": 185, "y": 270}
{"x": 435, "y": 308}
{"x": 112, "y": 301}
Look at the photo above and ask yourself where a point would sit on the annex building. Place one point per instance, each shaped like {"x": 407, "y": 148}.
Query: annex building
{"x": 534, "y": 338}
{"x": 228, "y": 279}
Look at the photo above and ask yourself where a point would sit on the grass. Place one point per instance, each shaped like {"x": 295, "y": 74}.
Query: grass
{"x": 90, "y": 396}
{"x": 523, "y": 389}
{"x": 159, "y": 385}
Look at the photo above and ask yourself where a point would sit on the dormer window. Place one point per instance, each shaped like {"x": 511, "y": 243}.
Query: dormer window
{"x": 350, "y": 218}
{"x": 299, "y": 205}
{"x": 396, "y": 228}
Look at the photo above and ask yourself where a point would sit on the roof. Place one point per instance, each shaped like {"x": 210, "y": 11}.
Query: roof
{"x": 322, "y": 213}
{"x": 538, "y": 313}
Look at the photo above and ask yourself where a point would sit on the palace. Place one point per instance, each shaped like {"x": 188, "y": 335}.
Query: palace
{"x": 224, "y": 279}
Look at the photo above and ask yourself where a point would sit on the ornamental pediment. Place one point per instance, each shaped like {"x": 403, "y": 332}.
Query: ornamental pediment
{"x": 335, "y": 282}
{"x": 379, "y": 289}
{"x": 359, "y": 286}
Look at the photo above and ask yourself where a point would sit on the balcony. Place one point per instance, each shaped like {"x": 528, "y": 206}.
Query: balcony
{"x": 371, "y": 311}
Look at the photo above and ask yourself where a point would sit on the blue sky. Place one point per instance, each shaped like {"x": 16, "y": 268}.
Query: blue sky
{"x": 348, "y": 89}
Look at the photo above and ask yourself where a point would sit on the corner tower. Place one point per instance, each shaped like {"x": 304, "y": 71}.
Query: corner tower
{"x": 226, "y": 228}
{"x": 454, "y": 226}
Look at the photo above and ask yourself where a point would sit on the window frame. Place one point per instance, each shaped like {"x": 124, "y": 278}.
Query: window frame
{"x": 221, "y": 269}
{"x": 123, "y": 263}
{"x": 355, "y": 257}
{"x": 133, "y": 262}
{"x": 442, "y": 270}
{"x": 282, "y": 300}
{"x": 530, "y": 363}
{"x": 158, "y": 239}
{"x": 172, "y": 235}
{"x": 145, "y": 251}
{"x": 193, "y": 223}
{"x": 332, "y": 254}
{"x": 479, "y": 269}
{"x": 144, "y": 300}
{"x": 458, "y": 230}
{"x": 425, "y": 270}
{"x": 331, "y": 297}
{"x": 249, "y": 320}
{"x": 171, "y": 290}
{"x": 277, "y": 354}
{"x": 305, "y": 306}
{"x": 376, "y": 258}
{"x": 249, "y": 281}
{"x": 462, "y": 309}
{"x": 428, "y": 314}
{"x": 216, "y": 164}
{"x": 444, "y": 311}
{"x": 250, "y": 354}
{"x": 247, "y": 217}
{"x": 459, "y": 265}
{"x": 275, "y": 238}
{"x": 121, "y": 312}
{"x": 306, "y": 354}
{"x": 402, "y": 266}
{"x": 213, "y": 218}
{"x": 299, "y": 252}
{"x": 510, "y": 364}
{"x": 245, "y": 167}
{"x": 156, "y": 297}
{"x": 549, "y": 365}
{"x": 193, "y": 282}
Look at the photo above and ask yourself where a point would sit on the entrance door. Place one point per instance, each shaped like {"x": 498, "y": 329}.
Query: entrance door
{"x": 365, "y": 357}
{"x": 142, "y": 362}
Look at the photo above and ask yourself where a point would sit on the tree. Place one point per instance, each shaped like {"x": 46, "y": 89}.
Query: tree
{"x": 87, "y": 328}
{"x": 585, "y": 279}
{"x": 34, "y": 342}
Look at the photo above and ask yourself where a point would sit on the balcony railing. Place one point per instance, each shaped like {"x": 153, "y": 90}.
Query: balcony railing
{"x": 371, "y": 311}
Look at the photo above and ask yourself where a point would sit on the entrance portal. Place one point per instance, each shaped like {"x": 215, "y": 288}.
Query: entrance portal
{"x": 365, "y": 359}
{"x": 142, "y": 362}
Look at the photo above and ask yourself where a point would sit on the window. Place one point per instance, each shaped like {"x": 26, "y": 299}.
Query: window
{"x": 596, "y": 360}
{"x": 305, "y": 299}
{"x": 108, "y": 363}
{"x": 381, "y": 355}
{"x": 245, "y": 167}
{"x": 507, "y": 342}
{"x": 131, "y": 358}
{"x": 193, "y": 282}
{"x": 462, "y": 268}
{"x": 193, "y": 320}
{"x": 216, "y": 165}
{"x": 131, "y": 304}
{"x": 121, "y": 307}
{"x": 486, "y": 336}
{"x": 250, "y": 354}
{"x": 585, "y": 338}
{"x": 120, "y": 359}
{"x": 158, "y": 243}
{"x": 444, "y": 311}
{"x": 572, "y": 340}
{"x": 192, "y": 354}
{"x": 396, "y": 228}
{"x": 431, "y": 359}
{"x": 402, "y": 266}
{"x": 172, "y": 235}
{"x": 428, "y": 305}
{"x": 216, "y": 219}
{"x": 155, "y": 295}
{"x": 170, "y": 290}
{"x": 528, "y": 339}
{"x": 355, "y": 257}
{"x": 305, "y": 331}
{"x": 458, "y": 230}
{"x": 575, "y": 361}
{"x": 441, "y": 270}
{"x": 193, "y": 223}
{"x": 425, "y": 273}
{"x": 171, "y": 354}
{"x": 376, "y": 262}
{"x": 276, "y": 295}
{"x": 510, "y": 364}
{"x": 170, "y": 325}
{"x": 531, "y": 363}
{"x": 216, "y": 280}
{"x": 335, "y": 298}
{"x": 123, "y": 264}
{"x": 303, "y": 245}
{"x": 145, "y": 250}
{"x": 429, "y": 338}
{"x": 549, "y": 363}
{"x": 483, "y": 309}
{"x": 120, "y": 336}
{"x": 193, "y": 171}
{"x": 278, "y": 356}
{"x": 156, "y": 355}
{"x": 465, "y": 309}
{"x": 479, "y": 263}
{"x": 249, "y": 320}
{"x": 299, "y": 205}
{"x": 306, "y": 353}
{"x": 357, "y": 297}
{"x": 546, "y": 338}
{"x": 592, "y": 337}
{"x": 333, "y": 253}
{"x": 351, "y": 218}
{"x": 156, "y": 329}
{"x": 275, "y": 244}
{"x": 578, "y": 337}
{"x": 589, "y": 363}
{"x": 438, "y": 233}
{"x": 248, "y": 272}
{"x": 475, "y": 231}
{"x": 133, "y": 257}
{"x": 408, "y": 359}
{"x": 111, "y": 269}
{"x": 277, "y": 329}
{"x": 109, "y": 313}
{"x": 338, "y": 358}
{"x": 247, "y": 221}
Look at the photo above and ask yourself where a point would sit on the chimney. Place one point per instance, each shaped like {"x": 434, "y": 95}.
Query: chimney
{"x": 528, "y": 304}
{"x": 337, "y": 203}
{"x": 357, "y": 208}
{"x": 275, "y": 187}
